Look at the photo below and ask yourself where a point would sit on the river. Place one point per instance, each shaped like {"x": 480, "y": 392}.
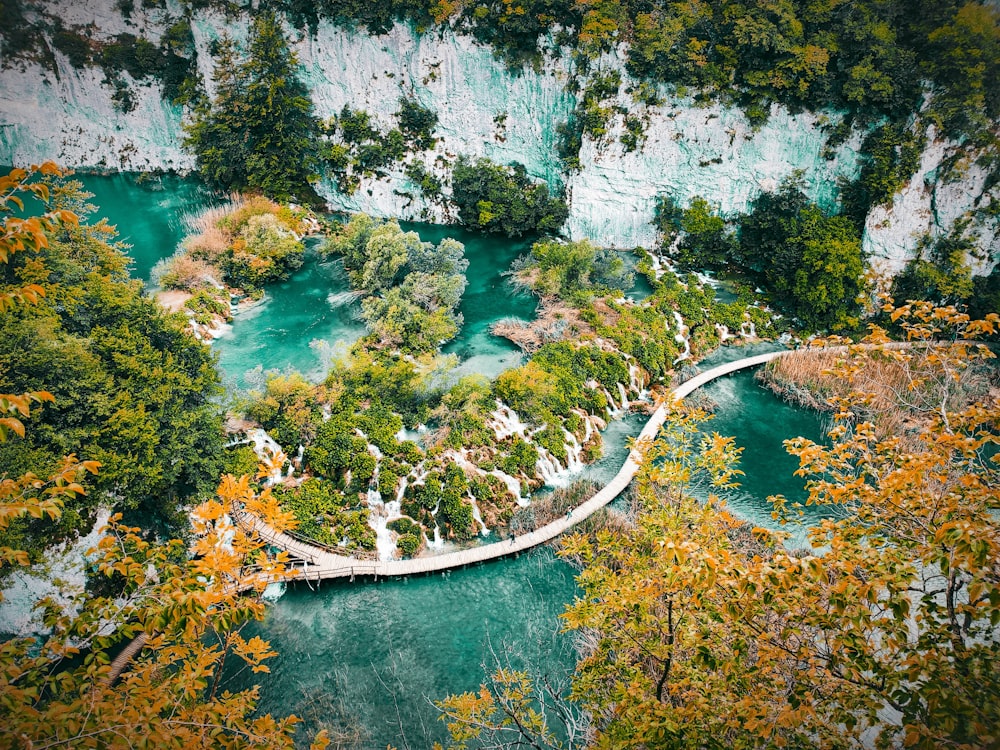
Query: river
{"x": 370, "y": 657}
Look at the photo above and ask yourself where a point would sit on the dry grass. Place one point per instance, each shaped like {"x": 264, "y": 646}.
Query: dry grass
{"x": 211, "y": 244}
{"x": 555, "y": 321}
{"x": 553, "y": 506}
{"x": 181, "y": 271}
{"x": 900, "y": 390}
{"x": 173, "y": 299}
{"x": 216, "y": 229}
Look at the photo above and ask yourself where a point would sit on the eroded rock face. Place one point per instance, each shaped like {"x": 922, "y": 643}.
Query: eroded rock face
{"x": 943, "y": 191}
{"x": 486, "y": 110}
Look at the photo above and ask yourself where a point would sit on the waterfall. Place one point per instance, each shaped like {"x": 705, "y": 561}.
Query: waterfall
{"x": 273, "y": 591}
{"x": 636, "y": 380}
{"x": 613, "y": 410}
{"x": 339, "y": 299}
{"x": 657, "y": 263}
{"x": 574, "y": 452}
{"x": 682, "y": 337}
{"x": 549, "y": 469}
{"x": 748, "y": 330}
{"x": 268, "y": 451}
{"x": 437, "y": 543}
{"x": 624, "y": 395}
{"x": 478, "y": 517}
{"x": 64, "y": 576}
{"x": 724, "y": 334}
{"x": 381, "y": 512}
{"x": 513, "y": 486}
{"x": 505, "y": 422}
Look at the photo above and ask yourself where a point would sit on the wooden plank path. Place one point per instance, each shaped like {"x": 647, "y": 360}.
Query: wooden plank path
{"x": 319, "y": 564}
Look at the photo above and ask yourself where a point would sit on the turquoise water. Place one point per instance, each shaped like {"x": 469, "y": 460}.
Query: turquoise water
{"x": 297, "y": 326}
{"x": 150, "y": 214}
{"x": 371, "y": 656}
{"x": 305, "y": 319}
{"x": 489, "y": 297}
{"x": 760, "y": 422}
{"x": 427, "y": 637}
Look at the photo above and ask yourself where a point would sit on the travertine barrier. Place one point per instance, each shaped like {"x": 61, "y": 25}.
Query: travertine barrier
{"x": 318, "y": 564}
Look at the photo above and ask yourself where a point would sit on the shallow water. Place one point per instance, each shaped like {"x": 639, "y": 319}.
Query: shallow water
{"x": 149, "y": 213}
{"x": 760, "y": 422}
{"x": 305, "y": 319}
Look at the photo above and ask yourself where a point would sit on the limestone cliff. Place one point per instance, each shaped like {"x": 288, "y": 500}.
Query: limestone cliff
{"x": 484, "y": 109}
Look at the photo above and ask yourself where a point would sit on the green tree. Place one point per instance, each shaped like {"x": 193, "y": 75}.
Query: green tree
{"x": 564, "y": 269}
{"x": 503, "y": 199}
{"x": 963, "y": 59}
{"x": 940, "y": 270}
{"x": 707, "y": 242}
{"x": 810, "y": 263}
{"x": 412, "y": 288}
{"x": 141, "y": 656}
{"x": 259, "y": 132}
{"x": 134, "y": 390}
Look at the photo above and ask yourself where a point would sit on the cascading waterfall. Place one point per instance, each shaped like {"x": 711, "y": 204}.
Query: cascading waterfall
{"x": 513, "y": 486}
{"x": 624, "y": 395}
{"x": 437, "y": 542}
{"x": 613, "y": 410}
{"x": 66, "y": 575}
{"x": 636, "y": 380}
{"x": 549, "y": 470}
{"x": 267, "y": 450}
{"x": 574, "y": 453}
{"x": 381, "y": 512}
{"x": 477, "y": 517}
{"x": 682, "y": 338}
{"x": 505, "y": 422}
{"x": 657, "y": 263}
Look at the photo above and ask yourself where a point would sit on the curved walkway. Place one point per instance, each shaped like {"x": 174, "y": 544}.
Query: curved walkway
{"x": 319, "y": 564}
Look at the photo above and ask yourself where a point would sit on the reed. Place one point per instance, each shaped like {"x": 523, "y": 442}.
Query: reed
{"x": 549, "y": 508}
{"x": 182, "y": 271}
{"x": 900, "y": 391}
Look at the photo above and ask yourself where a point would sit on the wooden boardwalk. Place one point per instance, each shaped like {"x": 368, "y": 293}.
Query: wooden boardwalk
{"x": 318, "y": 564}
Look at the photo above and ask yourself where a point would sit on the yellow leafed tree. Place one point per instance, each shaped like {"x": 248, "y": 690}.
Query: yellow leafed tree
{"x": 138, "y": 661}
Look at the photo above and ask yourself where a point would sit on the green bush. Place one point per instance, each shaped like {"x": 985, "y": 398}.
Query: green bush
{"x": 239, "y": 461}
{"x": 504, "y": 200}
{"x": 417, "y": 123}
{"x": 409, "y": 544}
{"x": 76, "y": 48}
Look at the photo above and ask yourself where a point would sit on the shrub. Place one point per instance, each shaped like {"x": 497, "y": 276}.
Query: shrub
{"x": 504, "y": 200}
{"x": 182, "y": 271}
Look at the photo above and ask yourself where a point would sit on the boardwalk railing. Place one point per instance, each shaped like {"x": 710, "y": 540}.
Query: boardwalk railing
{"x": 326, "y": 563}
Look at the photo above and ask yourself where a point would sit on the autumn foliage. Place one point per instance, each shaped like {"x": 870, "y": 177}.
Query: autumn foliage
{"x": 139, "y": 660}
{"x": 884, "y": 633}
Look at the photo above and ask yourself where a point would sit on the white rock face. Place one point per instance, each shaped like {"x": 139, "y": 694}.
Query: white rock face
{"x": 689, "y": 151}
{"x": 486, "y": 110}
{"x": 931, "y": 203}
{"x": 457, "y": 78}
{"x": 69, "y": 117}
